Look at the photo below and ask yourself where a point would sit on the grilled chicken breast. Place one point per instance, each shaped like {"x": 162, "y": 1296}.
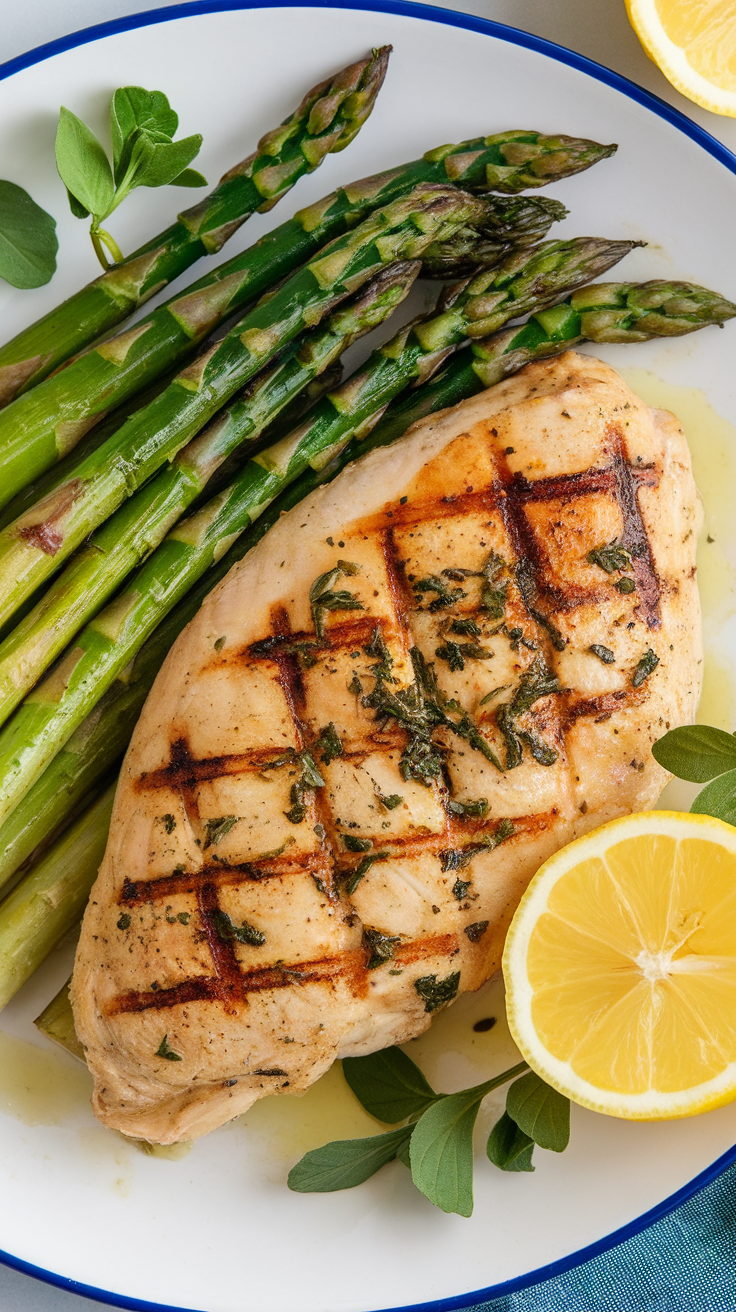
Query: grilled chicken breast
{"x": 426, "y": 678}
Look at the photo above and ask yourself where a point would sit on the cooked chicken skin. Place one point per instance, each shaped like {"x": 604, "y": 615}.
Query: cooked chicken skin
{"x": 318, "y": 841}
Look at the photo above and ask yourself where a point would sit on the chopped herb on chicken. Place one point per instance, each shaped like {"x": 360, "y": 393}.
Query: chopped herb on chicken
{"x": 537, "y": 681}
{"x": 323, "y": 598}
{"x": 609, "y": 556}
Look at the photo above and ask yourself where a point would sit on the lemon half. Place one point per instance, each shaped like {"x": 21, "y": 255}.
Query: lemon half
{"x": 620, "y": 967}
{"x": 694, "y": 44}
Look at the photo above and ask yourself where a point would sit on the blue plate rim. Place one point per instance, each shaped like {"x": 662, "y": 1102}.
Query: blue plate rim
{"x": 703, "y": 138}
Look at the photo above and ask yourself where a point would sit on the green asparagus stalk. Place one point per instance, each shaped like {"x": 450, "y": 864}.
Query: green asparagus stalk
{"x": 327, "y": 119}
{"x": 634, "y": 312}
{"x": 143, "y": 521}
{"x": 49, "y": 901}
{"x": 604, "y": 312}
{"x": 40, "y": 427}
{"x": 49, "y": 715}
{"x": 510, "y": 222}
{"x": 33, "y": 547}
{"x": 40, "y": 487}
{"x": 522, "y": 282}
{"x": 56, "y": 1022}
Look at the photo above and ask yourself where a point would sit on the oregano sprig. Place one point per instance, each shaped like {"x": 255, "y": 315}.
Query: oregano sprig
{"x": 144, "y": 154}
{"x": 436, "y": 1139}
{"x": 703, "y": 755}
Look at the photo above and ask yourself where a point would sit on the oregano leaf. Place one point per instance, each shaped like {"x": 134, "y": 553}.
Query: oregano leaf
{"x": 696, "y": 752}
{"x": 388, "y": 1085}
{"x": 159, "y": 163}
{"x": 441, "y": 1150}
{"x": 189, "y": 178}
{"x": 540, "y": 1111}
{"x": 508, "y": 1147}
{"x": 345, "y": 1163}
{"x": 82, "y": 164}
{"x": 28, "y": 242}
{"x": 718, "y": 799}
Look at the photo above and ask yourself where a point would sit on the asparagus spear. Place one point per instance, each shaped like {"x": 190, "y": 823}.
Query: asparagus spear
{"x": 57, "y": 1022}
{"x": 33, "y": 547}
{"x": 327, "y": 119}
{"x": 141, "y": 523}
{"x": 49, "y": 715}
{"x": 522, "y": 282}
{"x": 49, "y": 901}
{"x": 604, "y": 312}
{"x": 510, "y": 222}
{"x": 40, "y": 427}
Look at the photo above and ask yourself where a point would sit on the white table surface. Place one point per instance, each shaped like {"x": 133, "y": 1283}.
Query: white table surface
{"x": 596, "y": 28}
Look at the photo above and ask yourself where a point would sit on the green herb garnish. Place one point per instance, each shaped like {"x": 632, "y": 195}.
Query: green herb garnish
{"x": 357, "y": 844}
{"x": 379, "y": 651}
{"x": 494, "y": 592}
{"x": 328, "y": 745}
{"x": 362, "y": 869}
{"x": 700, "y": 753}
{"x": 610, "y": 557}
{"x": 456, "y": 858}
{"x": 309, "y": 779}
{"x": 603, "y": 653}
{"x": 169, "y": 823}
{"x": 144, "y": 155}
{"x": 165, "y": 1051}
{"x": 227, "y": 930}
{"x": 124, "y": 921}
{"x": 445, "y": 595}
{"x": 456, "y": 653}
{"x": 537, "y": 681}
{"x": 381, "y": 947}
{"x": 391, "y": 802}
{"x": 646, "y": 665}
{"x": 526, "y": 583}
{"x": 216, "y": 830}
{"x": 625, "y": 584}
{"x": 28, "y": 242}
{"x": 465, "y": 628}
{"x": 435, "y": 993}
{"x": 322, "y": 596}
{"x": 473, "y": 809}
{"x": 475, "y": 932}
{"x": 435, "y": 1140}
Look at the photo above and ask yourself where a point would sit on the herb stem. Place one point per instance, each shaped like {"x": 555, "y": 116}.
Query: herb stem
{"x": 102, "y": 238}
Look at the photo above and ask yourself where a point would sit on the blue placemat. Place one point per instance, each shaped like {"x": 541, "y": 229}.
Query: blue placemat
{"x": 684, "y": 1263}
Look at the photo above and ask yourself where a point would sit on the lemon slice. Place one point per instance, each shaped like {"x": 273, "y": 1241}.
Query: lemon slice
{"x": 620, "y": 967}
{"x": 694, "y": 44}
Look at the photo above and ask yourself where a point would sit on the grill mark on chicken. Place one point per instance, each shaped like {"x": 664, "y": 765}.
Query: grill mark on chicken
{"x": 457, "y": 830}
{"x": 598, "y": 708}
{"x": 634, "y": 536}
{"x": 348, "y": 965}
{"x": 222, "y": 952}
{"x": 292, "y": 684}
{"x": 347, "y": 633}
{"x": 185, "y": 770}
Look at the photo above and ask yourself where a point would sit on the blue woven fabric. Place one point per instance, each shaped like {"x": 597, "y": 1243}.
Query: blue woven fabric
{"x": 684, "y": 1263}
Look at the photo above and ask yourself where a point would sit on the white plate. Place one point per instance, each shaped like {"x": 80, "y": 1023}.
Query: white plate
{"x": 218, "y": 1230}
